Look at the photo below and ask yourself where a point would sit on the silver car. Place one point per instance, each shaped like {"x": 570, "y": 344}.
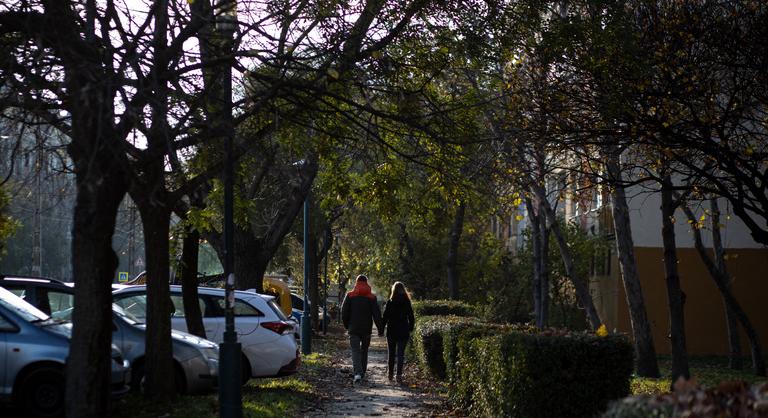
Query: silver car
{"x": 33, "y": 351}
{"x": 196, "y": 360}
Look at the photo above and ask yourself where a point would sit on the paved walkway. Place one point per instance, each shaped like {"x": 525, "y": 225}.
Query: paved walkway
{"x": 376, "y": 396}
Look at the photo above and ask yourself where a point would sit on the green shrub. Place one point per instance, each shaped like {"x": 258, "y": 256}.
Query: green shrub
{"x": 467, "y": 329}
{"x": 428, "y": 342}
{"x": 459, "y": 337}
{"x": 442, "y": 307}
{"x": 547, "y": 374}
{"x": 728, "y": 399}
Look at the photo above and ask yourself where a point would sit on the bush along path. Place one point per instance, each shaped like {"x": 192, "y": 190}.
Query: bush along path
{"x": 375, "y": 396}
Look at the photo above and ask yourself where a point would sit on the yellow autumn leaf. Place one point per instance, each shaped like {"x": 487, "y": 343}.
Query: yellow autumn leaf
{"x": 602, "y": 331}
{"x": 518, "y": 217}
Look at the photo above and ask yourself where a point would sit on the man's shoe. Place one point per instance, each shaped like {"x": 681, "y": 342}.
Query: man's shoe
{"x": 400, "y": 379}
{"x": 357, "y": 379}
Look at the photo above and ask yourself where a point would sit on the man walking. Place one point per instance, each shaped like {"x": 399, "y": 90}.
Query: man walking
{"x": 358, "y": 312}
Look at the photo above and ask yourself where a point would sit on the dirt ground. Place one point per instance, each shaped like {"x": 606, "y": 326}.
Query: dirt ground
{"x": 375, "y": 396}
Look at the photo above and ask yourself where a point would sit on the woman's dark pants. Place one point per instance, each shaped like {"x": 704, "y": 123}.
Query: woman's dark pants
{"x": 396, "y": 348}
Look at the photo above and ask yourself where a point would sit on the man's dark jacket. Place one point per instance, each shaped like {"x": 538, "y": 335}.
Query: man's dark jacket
{"x": 398, "y": 317}
{"x": 359, "y": 313}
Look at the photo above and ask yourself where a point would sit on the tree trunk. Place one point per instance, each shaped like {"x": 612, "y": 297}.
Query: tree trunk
{"x": 646, "y": 362}
{"x": 540, "y": 262}
{"x": 675, "y": 294}
{"x": 544, "y": 288}
{"x": 248, "y": 269}
{"x": 158, "y": 366}
{"x": 315, "y": 282}
{"x": 189, "y": 282}
{"x": 453, "y": 251}
{"x": 536, "y": 262}
{"x": 732, "y": 327}
{"x": 405, "y": 255}
{"x": 150, "y": 194}
{"x": 269, "y": 239}
{"x": 723, "y": 285}
{"x": 580, "y": 286}
{"x": 342, "y": 289}
{"x": 101, "y": 186}
{"x": 99, "y": 193}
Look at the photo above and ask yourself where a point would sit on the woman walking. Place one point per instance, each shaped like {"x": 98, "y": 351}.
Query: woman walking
{"x": 398, "y": 320}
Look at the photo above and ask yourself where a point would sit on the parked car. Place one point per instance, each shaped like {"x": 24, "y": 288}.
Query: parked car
{"x": 266, "y": 335}
{"x": 297, "y": 311}
{"x": 33, "y": 351}
{"x": 196, "y": 360}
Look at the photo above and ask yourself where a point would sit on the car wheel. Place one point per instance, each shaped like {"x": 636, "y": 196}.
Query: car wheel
{"x": 42, "y": 393}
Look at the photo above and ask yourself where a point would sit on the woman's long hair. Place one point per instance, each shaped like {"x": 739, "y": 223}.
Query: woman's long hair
{"x": 399, "y": 289}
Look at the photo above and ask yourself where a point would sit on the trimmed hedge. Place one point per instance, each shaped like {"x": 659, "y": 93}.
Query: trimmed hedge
{"x": 549, "y": 374}
{"x": 517, "y": 370}
{"x": 428, "y": 341}
{"x": 729, "y": 399}
{"x": 456, "y": 339}
{"x": 442, "y": 307}
{"x": 465, "y": 329}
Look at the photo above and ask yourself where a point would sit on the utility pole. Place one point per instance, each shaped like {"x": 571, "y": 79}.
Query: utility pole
{"x": 230, "y": 371}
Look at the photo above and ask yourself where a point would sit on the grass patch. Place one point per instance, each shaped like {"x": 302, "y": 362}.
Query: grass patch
{"x": 708, "y": 371}
{"x": 279, "y": 397}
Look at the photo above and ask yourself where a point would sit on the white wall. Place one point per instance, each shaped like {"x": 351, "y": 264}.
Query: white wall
{"x": 645, "y": 215}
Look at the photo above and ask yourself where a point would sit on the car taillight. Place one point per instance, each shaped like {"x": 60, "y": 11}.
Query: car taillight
{"x": 279, "y": 327}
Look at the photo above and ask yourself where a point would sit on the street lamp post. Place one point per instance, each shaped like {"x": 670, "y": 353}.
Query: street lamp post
{"x": 306, "y": 317}
{"x": 230, "y": 371}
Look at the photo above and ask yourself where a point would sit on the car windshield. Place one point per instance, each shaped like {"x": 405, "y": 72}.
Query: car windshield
{"x": 17, "y": 305}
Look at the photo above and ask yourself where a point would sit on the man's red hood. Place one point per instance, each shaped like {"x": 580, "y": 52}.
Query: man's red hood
{"x": 362, "y": 289}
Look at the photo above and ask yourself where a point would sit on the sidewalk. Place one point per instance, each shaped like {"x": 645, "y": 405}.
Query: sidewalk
{"x": 376, "y": 396}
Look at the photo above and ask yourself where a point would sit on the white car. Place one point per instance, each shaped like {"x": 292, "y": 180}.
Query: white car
{"x": 267, "y": 337}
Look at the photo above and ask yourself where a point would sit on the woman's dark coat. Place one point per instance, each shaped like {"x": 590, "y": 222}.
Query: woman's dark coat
{"x": 398, "y": 318}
